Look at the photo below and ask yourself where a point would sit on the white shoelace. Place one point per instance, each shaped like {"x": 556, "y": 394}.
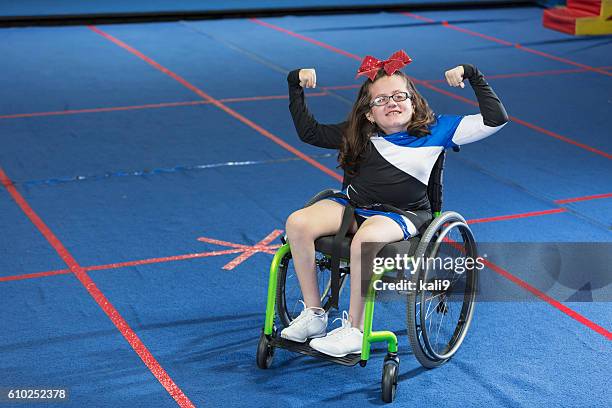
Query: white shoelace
{"x": 343, "y": 330}
{"x": 303, "y": 314}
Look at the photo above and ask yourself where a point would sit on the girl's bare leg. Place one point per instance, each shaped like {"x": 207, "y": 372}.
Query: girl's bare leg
{"x": 303, "y": 228}
{"x": 376, "y": 229}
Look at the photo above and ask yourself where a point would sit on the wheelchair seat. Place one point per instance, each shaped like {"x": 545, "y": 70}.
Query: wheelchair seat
{"x": 324, "y": 245}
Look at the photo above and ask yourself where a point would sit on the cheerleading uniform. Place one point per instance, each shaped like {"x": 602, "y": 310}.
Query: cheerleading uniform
{"x": 395, "y": 168}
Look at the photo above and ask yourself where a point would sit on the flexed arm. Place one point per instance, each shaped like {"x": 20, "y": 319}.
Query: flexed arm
{"x": 309, "y": 130}
{"x": 492, "y": 115}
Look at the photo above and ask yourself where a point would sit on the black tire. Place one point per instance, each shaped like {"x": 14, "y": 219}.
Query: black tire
{"x": 265, "y": 352}
{"x": 288, "y": 306}
{"x": 458, "y": 301}
{"x": 390, "y": 375}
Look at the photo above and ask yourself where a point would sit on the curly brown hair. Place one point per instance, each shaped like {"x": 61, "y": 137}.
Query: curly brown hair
{"x": 360, "y": 129}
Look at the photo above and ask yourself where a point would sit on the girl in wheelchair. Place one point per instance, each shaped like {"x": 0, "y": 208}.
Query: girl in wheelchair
{"x": 387, "y": 149}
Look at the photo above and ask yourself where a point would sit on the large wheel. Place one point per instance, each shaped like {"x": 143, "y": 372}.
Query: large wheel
{"x": 289, "y": 294}
{"x": 439, "y": 316}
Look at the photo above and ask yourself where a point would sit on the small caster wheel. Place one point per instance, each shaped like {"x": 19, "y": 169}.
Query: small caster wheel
{"x": 389, "y": 378}
{"x": 363, "y": 363}
{"x": 265, "y": 352}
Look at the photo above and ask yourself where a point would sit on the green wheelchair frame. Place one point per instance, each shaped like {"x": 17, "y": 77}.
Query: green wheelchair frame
{"x": 369, "y": 336}
{"x": 430, "y": 356}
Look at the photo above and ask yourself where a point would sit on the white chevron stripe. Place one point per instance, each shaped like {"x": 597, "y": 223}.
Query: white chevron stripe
{"x": 415, "y": 161}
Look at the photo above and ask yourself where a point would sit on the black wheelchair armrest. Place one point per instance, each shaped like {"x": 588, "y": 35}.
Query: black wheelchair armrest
{"x": 320, "y": 195}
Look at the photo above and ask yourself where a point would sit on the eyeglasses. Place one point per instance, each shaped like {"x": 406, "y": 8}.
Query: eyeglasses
{"x": 382, "y": 100}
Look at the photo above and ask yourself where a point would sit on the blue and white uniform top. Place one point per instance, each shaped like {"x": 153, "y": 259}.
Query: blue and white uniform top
{"x": 395, "y": 168}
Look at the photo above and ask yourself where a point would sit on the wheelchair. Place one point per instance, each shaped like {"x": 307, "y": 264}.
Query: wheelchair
{"x": 438, "y": 318}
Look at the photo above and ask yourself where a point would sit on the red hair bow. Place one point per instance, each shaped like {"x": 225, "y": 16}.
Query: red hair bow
{"x": 370, "y": 65}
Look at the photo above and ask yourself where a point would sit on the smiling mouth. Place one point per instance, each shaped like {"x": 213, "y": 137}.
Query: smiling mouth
{"x": 393, "y": 113}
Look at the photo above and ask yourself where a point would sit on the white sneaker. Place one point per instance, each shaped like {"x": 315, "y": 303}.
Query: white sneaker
{"x": 341, "y": 341}
{"x": 312, "y": 322}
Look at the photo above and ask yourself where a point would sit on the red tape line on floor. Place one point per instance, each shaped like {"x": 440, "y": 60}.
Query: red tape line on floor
{"x": 217, "y": 103}
{"x": 98, "y": 296}
{"x": 509, "y": 44}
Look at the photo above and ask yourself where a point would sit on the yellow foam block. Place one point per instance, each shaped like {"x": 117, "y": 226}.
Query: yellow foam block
{"x": 596, "y": 25}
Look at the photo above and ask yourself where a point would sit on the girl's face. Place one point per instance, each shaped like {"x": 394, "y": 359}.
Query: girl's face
{"x": 395, "y": 115}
